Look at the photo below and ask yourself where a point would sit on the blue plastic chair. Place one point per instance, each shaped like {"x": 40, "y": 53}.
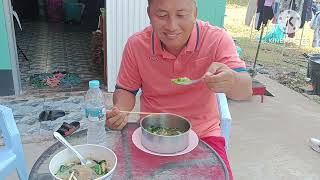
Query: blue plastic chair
{"x": 225, "y": 117}
{"x": 11, "y": 155}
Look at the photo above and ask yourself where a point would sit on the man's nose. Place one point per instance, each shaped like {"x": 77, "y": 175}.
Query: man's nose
{"x": 172, "y": 24}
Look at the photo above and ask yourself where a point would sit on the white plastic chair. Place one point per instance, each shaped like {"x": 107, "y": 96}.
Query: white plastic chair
{"x": 225, "y": 117}
{"x": 11, "y": 155}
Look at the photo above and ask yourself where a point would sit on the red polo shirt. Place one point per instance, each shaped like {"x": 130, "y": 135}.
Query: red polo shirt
{"x": 146, "y": 65}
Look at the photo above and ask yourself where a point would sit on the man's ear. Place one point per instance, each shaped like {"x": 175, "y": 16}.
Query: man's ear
{"x": 148, "y": 11}
{"x": 196, "y": 13}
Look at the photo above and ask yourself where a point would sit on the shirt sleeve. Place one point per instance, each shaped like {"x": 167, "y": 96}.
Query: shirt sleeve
{"x": 227, "y": 54}
{"x": 129, "y": 77}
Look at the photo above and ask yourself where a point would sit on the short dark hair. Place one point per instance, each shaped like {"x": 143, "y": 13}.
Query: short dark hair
{"x": 149, "y": 2}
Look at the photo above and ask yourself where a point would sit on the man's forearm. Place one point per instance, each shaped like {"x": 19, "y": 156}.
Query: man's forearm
{"x": 242, "y": 89}
{"x": 124, "y": 100}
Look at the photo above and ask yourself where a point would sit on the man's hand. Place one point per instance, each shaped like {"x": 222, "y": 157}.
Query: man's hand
{"x": 220, "y": 78}
{"x": 115, "y": 119}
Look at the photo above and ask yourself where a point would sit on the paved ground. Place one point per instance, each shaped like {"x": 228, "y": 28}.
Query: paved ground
{"x": 269, "y": 140}
{"x": 26, "y": 111}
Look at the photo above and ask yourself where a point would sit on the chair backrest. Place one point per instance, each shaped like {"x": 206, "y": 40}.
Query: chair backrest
{"x": 8, "y": 127}
{"x": 225, "y": 117}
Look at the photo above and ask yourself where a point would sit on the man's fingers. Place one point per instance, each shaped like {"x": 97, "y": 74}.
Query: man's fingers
{"x": 222, "y": 86}
{"x": 216, "y": 78}
{"x": 113, "y": 112}
{"x": 111, "y": 121}
{"x": 119, "y": 121}
{"x": 215, "y": 67}
{"x": 122, "y": 124}
{"x": 119, "y": 124}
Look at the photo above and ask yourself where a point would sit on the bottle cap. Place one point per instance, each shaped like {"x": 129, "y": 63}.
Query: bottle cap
{"x": 94, "y": 84}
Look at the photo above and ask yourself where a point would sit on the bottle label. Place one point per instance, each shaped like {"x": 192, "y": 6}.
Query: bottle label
{"x": 95, "y": 113}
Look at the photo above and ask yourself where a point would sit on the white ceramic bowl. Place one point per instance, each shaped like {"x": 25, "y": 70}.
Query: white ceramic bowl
{"x": 91, "y": 151}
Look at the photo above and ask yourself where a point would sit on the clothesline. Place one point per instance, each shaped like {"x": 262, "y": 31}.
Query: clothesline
{"x": 305, "y": 9}
{"x": 251, "y": 35}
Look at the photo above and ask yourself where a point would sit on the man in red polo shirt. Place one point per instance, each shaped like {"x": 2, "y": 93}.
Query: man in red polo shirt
{"x": 178, "y": 45}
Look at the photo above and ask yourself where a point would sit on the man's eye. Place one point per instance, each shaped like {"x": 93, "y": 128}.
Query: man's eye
{"x": 162, "y": 15}
{"x": 182, "y": 15}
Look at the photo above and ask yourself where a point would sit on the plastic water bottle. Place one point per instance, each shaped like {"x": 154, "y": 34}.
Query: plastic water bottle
{"x": 95, "y": 114}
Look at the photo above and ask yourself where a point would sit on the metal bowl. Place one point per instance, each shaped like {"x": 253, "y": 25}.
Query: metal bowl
{"x": 165, "y": 144}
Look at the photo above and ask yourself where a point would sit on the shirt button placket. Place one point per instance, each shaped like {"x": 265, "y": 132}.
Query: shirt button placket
{"x": 178, "y": 69}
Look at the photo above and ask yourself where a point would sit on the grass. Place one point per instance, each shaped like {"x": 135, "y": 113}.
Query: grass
{"x": 283, "y": 62}
{"x": 234, "y": 24}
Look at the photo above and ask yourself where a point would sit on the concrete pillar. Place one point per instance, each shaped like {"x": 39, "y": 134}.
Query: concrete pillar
{"x": 6, "y": 78}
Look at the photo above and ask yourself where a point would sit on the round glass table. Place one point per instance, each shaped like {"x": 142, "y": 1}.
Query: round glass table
{"x": 201, "y": 163}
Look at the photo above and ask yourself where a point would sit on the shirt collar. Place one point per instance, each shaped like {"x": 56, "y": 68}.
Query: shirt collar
{"x": 192, "y": 45}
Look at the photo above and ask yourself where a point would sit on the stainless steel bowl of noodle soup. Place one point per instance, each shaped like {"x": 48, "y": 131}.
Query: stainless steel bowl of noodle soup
{"x": 65, "y": 163}
{"x": 165, "y": 133}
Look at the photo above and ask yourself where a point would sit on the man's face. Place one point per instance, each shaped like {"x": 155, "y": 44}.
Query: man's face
{"x": 173, "y": 21}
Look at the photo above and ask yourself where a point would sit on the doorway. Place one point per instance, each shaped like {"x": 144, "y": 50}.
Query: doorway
{"x": 58, "y": 47}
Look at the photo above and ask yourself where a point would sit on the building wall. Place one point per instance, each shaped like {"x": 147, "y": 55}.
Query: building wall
{"x": 124, "y": 18}
{"x": 4, "y": 48}
{"x": 6, "y": 79}
{"x": 212, "y": 11}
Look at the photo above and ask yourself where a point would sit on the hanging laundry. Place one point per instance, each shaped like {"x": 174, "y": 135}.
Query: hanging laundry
{"x": 296, "y": 5}
{"x": 276, "y": 11}
{"x": 306, "y": 12}
{"x": 315, "y": 25}
{"x": 268, "y": 11}
{"x": 285, "y": 5}
{"x": 251, "y": 10}
{"x": 267, "y": 14}
{"x": 315, "y": 7}
{"x": 268, "y": 3}
{"x": 309, "y": 10}
{"x": 291, "y": 35}
{"x": 276, "y": 35}
{"x": 299, "y": 6}
{"x": 264, "y": 13}
{"x": 259, "y": 14}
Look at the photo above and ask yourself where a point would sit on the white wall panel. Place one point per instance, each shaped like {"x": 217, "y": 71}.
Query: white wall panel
{"x": 124, "y": 18}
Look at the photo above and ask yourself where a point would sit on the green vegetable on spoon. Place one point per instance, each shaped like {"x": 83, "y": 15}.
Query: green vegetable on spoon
{"x": 182, "y": 81}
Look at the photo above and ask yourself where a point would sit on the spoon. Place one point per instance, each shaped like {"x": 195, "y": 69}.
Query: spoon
{"x": 184, "y": 81}
{"x": 83, "y": 161}
{"x": 187, "y": 81}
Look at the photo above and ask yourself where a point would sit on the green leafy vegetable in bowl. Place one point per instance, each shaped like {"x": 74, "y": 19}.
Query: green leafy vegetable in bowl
{"x": 164, "y": 131}
{"x": 99, "y": 168}
{"x": 181, "y": 80}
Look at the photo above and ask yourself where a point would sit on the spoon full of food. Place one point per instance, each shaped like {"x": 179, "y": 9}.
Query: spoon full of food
{"x": 184, "y": 81}
{"x": 83, "y": 161}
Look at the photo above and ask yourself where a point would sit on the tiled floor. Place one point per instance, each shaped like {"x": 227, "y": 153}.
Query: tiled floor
{"x": 55, "y": 47}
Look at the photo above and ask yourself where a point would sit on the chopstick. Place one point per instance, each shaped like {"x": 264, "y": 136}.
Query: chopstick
{"x": 72, "y": 176}
{"x": 135, "y": 112}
